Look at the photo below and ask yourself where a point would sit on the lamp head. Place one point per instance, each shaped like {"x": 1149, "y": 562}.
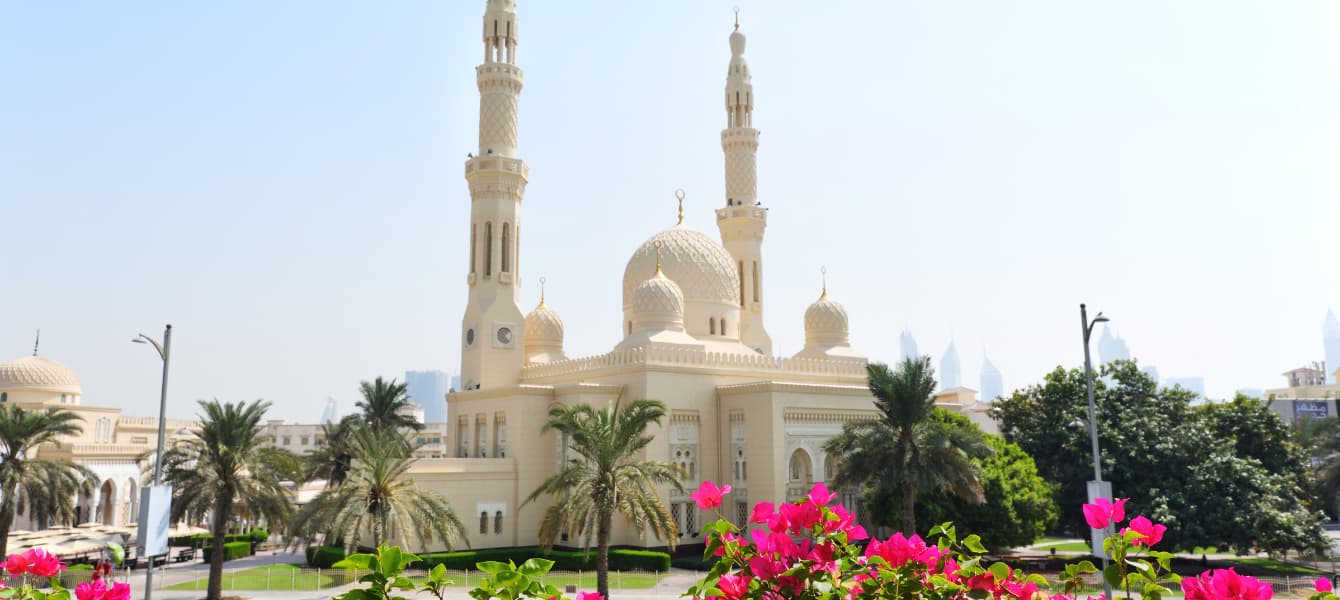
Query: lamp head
{"x": 139, "y": 340}
{"x": 1100, "y": 319}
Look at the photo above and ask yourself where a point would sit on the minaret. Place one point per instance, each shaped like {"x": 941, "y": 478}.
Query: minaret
{"x": 492, "y": 348}
{"x": 742, "y": 221}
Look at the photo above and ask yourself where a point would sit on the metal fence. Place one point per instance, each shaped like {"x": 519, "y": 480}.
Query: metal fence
{"x": 288, "y": 579}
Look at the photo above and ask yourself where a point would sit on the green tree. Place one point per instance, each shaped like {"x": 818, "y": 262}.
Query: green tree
{"x": 42, "y": 487}
{"x": 1180, "y": 465}
{"x": 331, "y": 461}
{"x": 603, "y": 475}
{"x": 1020, "y": 505}
{"x": 381, "y": 405}
{"x": 378, "y": 497}
{"x": 908, "y": 448}
{"x": 225, "y": 470}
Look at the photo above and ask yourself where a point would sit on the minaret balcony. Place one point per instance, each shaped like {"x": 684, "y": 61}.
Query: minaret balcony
{"x": 754, "y": 212}
{"x": 496, "y": 164}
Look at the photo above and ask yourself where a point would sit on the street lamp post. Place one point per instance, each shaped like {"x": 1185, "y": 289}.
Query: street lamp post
{"x": 1097, "y": 485}
{"x": 165, "y": 353}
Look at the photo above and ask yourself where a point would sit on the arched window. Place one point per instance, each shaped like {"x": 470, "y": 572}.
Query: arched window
{"x": 800, "y": 467}
{"x": 474, "y": 243}
{"x": 630, "y": 328}
{"x": 488, "y": 249}
{"x": 723, "y": 325}
{"x": 4, "y": 396}
{"x": 742, "y": 296}
{"x": 506, "y": 248}
{"x": 758, "y": 296}
{"x": 712, "y": 325}
{"x": 497, "y": 523}
{"x": 483, "y": 521}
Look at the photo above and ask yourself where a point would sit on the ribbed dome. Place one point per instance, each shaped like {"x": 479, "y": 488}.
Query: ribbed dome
{"x": 543, "y": 325}
{"x": 825, "y": 321}
{"x": 38, "y": 373}
{"x": 658, "y": 297}
{"x": 701, "y": 268}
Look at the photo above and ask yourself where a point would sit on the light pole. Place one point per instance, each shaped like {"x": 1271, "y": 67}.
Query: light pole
{"x": 165, "y": 353}
{"x": 1096, "y": 487}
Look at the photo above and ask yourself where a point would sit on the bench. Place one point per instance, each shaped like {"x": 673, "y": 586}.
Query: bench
{"x": 184, "y": 555}
{"x": 140, "y": 562}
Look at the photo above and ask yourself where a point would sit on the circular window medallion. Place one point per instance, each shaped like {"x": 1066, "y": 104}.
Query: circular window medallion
{"x": 469, "y": 337}
{"x": 504, "y": 335}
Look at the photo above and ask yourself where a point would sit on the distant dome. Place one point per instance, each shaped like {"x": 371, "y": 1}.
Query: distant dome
{"x": 38, "y": 373}
{"x": 658, "y": 299}
{"x": 825, "y": 322}
{"x": 543, "y": 325}
{"x": 702, "y": 270}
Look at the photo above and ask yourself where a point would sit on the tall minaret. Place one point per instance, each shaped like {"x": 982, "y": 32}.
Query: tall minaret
{"x": 742, "y": 221}
{"x": 492, "y": 348}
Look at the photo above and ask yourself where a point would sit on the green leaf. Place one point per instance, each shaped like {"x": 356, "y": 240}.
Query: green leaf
{"x": 354, "y": 561}
{"x": 508, "y": 578}
{"x": 492, "y": 567}
{"x": 1113, "y": 575}
{"x": 974, "y": 543}
{"x": 536, "y": 567}
{"x": 357, "y": 594}
{"x": 1000, "y": 570}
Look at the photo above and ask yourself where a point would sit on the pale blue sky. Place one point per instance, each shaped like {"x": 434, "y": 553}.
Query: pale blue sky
{"x": 283, "y": 181}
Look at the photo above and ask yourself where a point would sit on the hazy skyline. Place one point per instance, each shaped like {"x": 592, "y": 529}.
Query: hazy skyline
{"x": 283, "y": 182}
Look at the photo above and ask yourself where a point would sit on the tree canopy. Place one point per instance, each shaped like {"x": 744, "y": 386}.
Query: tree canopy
{"x": 1216, "y": 475}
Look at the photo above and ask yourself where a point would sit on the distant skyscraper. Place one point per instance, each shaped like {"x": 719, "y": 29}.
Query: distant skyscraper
{"x": 429, "y": 390}
{"x": 906, "y": 345}
{"x": 1194, "y": 384}
{"x": 992, "y": 385}
{"x": 329, "y": 415}
{"x": 1152, "y": 371}
{"x": 1111, "y": 348}
{"x": 1257, "y": 393}
{"x": 1330, "y": 339}
{"x": 949, "y": 368}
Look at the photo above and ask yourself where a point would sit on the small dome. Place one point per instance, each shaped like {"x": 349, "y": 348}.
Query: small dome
{"x": 736, "y": 43}
{"x": 658, "y": 297}
{"x": 38, "y": 373}
{"x": 701, "y": 269}
{"x": 543, "y": 325}
{"x": 825, "y": 322}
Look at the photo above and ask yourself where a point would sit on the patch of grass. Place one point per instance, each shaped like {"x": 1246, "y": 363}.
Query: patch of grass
{"x": 273, "y": 577}
{"x": 1064, "y": 546}
{"x": 628, "y": 580}
{"x": 1205, "y": 550}
{"x": 1270, "y": 565}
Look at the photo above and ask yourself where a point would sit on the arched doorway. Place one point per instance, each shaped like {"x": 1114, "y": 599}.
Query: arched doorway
{"x": 107, "y": 503}
{"x": 800, "y": 475}
{"x": 132, "y": 504}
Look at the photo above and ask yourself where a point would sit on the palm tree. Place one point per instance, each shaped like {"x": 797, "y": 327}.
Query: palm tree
{"x": 332, "y": 460}
{"x": 377, "y": 497}
{"x": 605, "y": 474}
{"x": 225, "y": 470}
{"x": 381, "y": 405}
{"x": 906, "y": 448}
{"x": 47, "y": 487}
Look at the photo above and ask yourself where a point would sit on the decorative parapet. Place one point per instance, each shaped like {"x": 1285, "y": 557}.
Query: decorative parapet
{"x": 698, "y": 358}
{"x": 172, "y": 424}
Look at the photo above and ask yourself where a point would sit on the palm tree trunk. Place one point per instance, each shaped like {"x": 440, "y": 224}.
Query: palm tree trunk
{"x": 6, "y": 518}
{"x": 223, "y": 508}
{"x": 603, "y": 555}
{"x": 909, "y": 508}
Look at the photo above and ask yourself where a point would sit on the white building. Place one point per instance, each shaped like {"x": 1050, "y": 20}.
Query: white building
{"x": 694, "y": 337}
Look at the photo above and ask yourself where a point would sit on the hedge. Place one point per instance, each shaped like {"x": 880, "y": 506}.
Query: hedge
{"x": 621, "y": 559}
{"x": 323, "y": 557}
{"x": 231, "y": 551}
{"x": 204, "y": 539}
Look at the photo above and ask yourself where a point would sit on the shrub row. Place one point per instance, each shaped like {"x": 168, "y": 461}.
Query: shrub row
{"x": 231, "y": 551}
{"x": 324, "y": 557}
{"x": 256, "y": 536}
{"x": 621, "y": 559}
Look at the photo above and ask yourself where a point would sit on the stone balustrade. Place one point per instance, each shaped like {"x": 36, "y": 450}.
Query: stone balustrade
{"x": 694, "y": 357}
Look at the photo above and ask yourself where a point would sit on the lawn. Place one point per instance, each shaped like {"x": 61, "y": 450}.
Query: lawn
{"x": 1272, "y": 566}
{"x": 629, "y": 580}
{"x": 1064, "y": 546}
{"x": 274, "y": 577}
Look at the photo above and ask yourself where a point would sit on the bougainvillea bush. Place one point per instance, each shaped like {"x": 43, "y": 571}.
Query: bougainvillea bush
{"x": 812, "y": 549}
{"x": 38, "y": 564}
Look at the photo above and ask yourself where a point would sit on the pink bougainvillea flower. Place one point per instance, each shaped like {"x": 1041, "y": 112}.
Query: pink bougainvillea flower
{"x": 709, "y": 495}
{"x": 1023, "y": 591}
{"x": 16, "y": 564}
{"x": 41, "y": 563}
{"x": 733, "y": 587}
{"x": 1104, "y": 512}
{"x": 800, "y": 517}
{"x": 1225, "y": 584}
{"x": 1323, "y": 584}
{"x": 762, "y": 512}
{"x": 820, "y": 494}
{"x": 1150, "y": 533}
{"x": 984, "y": 581}
{"x": 580, "y": 596}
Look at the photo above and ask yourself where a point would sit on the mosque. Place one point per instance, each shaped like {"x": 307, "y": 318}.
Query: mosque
{"x": 694, "y": 338}
{"x": 110, "y": 445}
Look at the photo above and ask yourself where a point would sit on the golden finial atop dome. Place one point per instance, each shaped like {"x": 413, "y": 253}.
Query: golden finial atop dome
{"x": 737, "y": 17}
{"x": 658, "y": 254}
{"x": 679, "y": 195}
{"x": 542, "y": 280}
{"x": 37, "y": 341}
{"x": 823, "y": 275}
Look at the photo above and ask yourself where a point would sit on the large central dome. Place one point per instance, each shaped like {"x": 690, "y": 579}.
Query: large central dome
{"x": 38, "y": 373}
{"x": 704, "y": 271}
